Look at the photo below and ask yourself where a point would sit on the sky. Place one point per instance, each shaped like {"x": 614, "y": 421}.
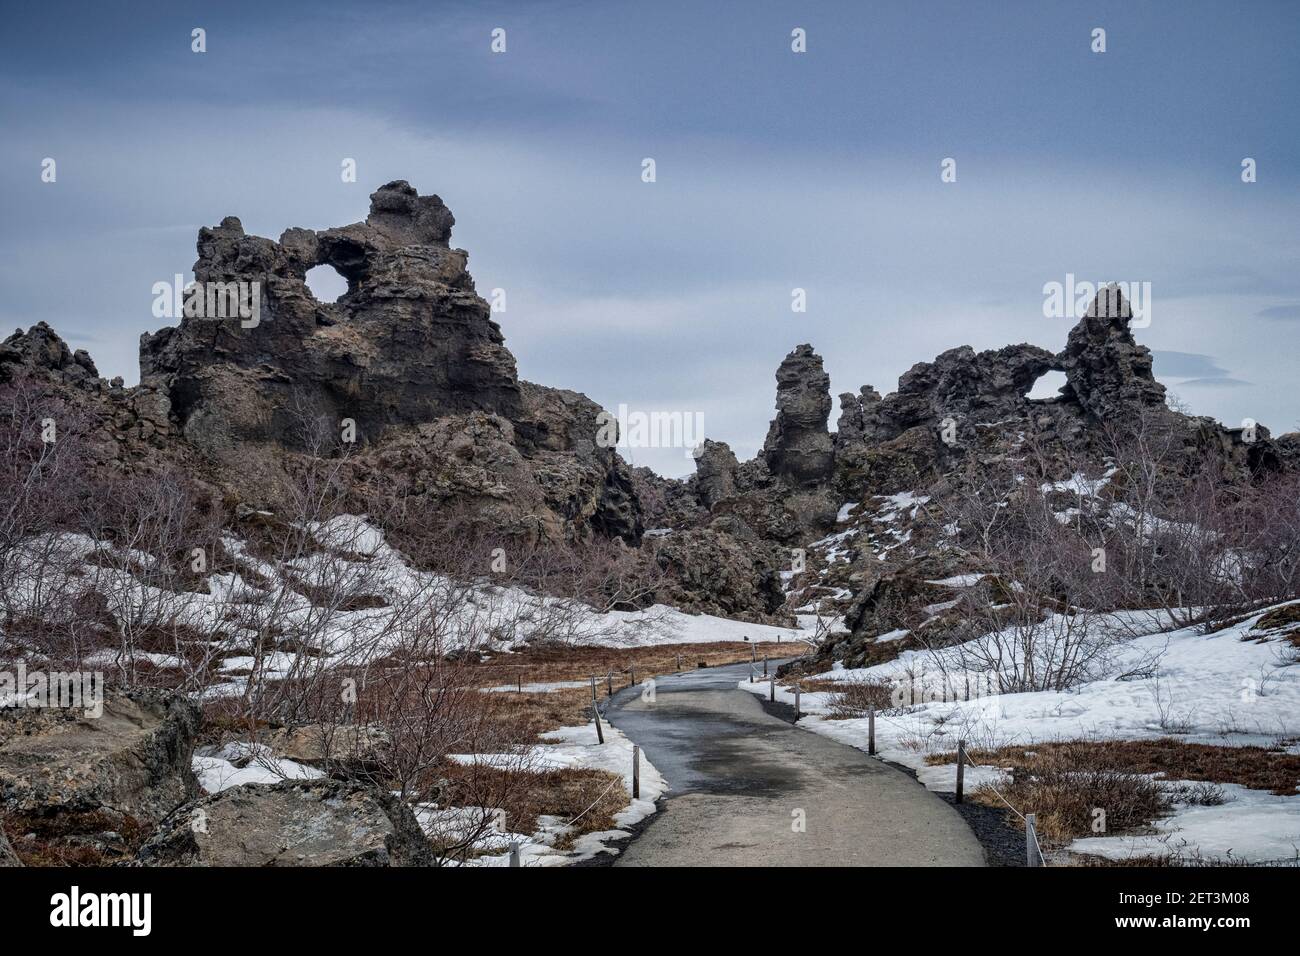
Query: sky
{"x": 775, "y": 170}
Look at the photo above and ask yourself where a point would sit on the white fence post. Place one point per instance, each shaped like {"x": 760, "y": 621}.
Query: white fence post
{"x": 1032, "y": 856}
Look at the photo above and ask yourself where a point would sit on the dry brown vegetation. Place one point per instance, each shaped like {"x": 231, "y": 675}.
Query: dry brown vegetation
{"x": 549, "y": 663}
{"x": 1258, "y": 768}
{"x": 588, "y": 798}
{"x": 1066, "y": 782}
{"x": 852, "y": 699}
{"x": 540, "y": 712}
{"x": 98, "y": 838}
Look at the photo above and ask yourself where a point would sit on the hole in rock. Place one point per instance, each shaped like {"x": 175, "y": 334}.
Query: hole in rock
{"x": 1049, "y": 385}
{"x": 326, "y": 284}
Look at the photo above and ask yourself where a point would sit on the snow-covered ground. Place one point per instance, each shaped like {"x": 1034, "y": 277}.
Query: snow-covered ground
{"x": 1227, "y": 688}
{"x": 353, "y": 560}
{"x": 236, "y": 764}
{"x": 225, "y": 615}
{"x": 568, "y": 748}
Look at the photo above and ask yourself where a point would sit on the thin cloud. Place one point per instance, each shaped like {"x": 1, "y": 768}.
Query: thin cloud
{"x": 1283, "y": 312}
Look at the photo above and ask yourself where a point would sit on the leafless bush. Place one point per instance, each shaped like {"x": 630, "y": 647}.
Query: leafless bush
{"x": 1035, "y": 609}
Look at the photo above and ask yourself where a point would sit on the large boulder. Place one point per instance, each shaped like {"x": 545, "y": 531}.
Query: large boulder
{"x": 296, "y": 823}
{"x": 133, "y": 760}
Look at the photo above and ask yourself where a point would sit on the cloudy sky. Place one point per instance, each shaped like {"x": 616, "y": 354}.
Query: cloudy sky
{"x": 775, "y": 170}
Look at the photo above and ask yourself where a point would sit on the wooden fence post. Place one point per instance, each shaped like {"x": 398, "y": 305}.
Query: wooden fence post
{"x": 636, "y": 772}
{"x": 632, "y": 667}
{"x": 514, "y": 852}
{"x": 1032, "y": 856}
{"x": 871, "y": 731}
{"x": 771, "y": 689}
{"x": 797, "y": 712}
{"x": 595, "y": 712}
{"x": 961, "y": 769}
{"x": 764, "y": 665}
{"x": 609, "y": 684}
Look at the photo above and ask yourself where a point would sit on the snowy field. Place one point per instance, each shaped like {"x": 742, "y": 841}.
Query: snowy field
{"x": 353, "y": 559}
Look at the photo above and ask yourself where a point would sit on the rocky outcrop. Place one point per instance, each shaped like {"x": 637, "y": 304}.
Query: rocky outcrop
{"x": 409, "y": 342}
{"x": 724, "y": 569}
{"x": 41, "y": 348}
{"x": 133, "y": 760}
{"x": 296, "y": 823}
{"x": 715, "y": 472}
{"x": 406, "y": 375}
{"x": 1107, "y": 372}
{"x": 86, "y": 788}
{"x": 798, "y": 446}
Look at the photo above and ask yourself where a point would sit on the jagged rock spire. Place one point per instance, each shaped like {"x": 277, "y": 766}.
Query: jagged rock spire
{"x": 798, "y": 444}
{"x": 1106, "y": 371}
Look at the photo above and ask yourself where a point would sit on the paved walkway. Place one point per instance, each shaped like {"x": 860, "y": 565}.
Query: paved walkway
{"x": 741, "y": 781}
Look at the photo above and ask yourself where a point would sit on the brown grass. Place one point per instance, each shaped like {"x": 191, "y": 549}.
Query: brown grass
{"x": 73, "y": 839}
{"x": 560, "y": 793}
{"x": 566, "y": 707}
{"x": 852, "y": 699}
{"x": 545, "y": 664}
{"x": 1064, "y": 782}
{"x": 1287, "y": 616}
{"x": 1258, "y": 768}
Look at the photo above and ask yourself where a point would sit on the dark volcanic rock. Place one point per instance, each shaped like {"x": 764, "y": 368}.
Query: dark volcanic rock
{"x": 715, "y": 472}
{"x": 41, "y": 348}
{"x": 409, "y": 356}
{"x": 982, "y": 386}
{"x": 1107, "y": 372}
{"x": 409, "y": 342}
{"x": 724, "y": 569}
{"x": 798, "y": 445}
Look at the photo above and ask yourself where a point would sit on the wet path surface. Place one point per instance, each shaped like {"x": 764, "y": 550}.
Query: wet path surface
{"x": 749, "y": 789}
